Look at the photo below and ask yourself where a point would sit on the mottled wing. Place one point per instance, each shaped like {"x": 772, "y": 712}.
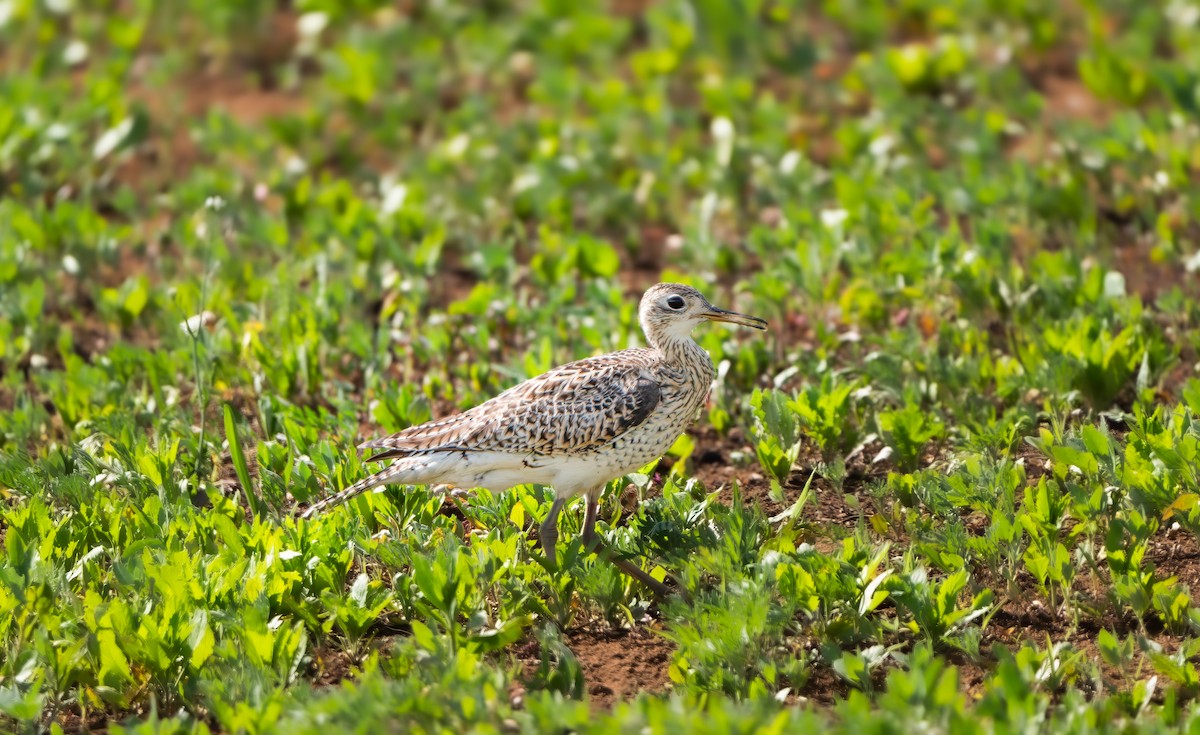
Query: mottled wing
{"x": 571, "y": 409}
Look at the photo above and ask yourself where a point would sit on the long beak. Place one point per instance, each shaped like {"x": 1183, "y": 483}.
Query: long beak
{"x": 720, "y": 315}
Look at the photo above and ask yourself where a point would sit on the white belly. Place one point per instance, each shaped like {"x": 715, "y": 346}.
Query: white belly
{"x": 568, "y": 474}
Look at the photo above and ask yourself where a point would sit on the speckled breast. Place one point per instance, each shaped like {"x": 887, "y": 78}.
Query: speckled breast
{"x": 684, "y": 391}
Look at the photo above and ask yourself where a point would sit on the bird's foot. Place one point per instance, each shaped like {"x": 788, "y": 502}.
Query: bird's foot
{"x": 660, "y": 590}
{"x": 549, "y": 541}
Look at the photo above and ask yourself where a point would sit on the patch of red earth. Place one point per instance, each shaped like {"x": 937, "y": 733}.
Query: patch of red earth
{"x": 1068, "y": 98}
{"x": 823, "y": 687}
{"x": 170, "y": 151}
{"x": 1055, "y": 76}
{"x": 617, "y": 664}
{"x": 1147, "y": 276}
{"x": 1033, "y": 460}
{"x": 329, "y": 667}
{"x": 96, "y": 722}
{"x": 1027, "y": 618}
{"x": 972, "y": 675}
{"x": 1030, "y": 621}
{"x": 1176, "y": 553}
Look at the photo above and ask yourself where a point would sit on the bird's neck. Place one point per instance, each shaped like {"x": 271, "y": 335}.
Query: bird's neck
{"x": 680, "y": 350}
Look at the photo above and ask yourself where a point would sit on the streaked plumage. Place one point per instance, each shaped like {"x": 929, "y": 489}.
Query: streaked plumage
{"x": 573, "y": 428}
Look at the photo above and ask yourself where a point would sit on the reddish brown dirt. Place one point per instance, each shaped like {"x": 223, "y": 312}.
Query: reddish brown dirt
{"x": 617, "y": 664}
{"x": 1176, "y": 553}
{"x": 96, "y": 721}
{"x": 331, "y": 667}
{"x": 823, "y": 687}
{"x": 1033, "y": 461}
{"x": 170, "y": 152}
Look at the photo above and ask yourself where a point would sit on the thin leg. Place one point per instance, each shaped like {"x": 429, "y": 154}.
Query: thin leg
{"x": 548, "y": 531}
{"x": 589, "y": 521}
{"x": 658, "y": 588}
{"x": 592, "y": 542}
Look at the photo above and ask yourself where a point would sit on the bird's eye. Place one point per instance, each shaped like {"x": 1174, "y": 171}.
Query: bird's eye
{"x": 675, "y": 302}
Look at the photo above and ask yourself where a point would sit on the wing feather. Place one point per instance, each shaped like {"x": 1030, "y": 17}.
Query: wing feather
{"x": 571, "y": 409}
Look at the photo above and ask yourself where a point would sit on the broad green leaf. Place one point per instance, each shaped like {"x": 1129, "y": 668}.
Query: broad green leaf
{"x": 114, "y": 667}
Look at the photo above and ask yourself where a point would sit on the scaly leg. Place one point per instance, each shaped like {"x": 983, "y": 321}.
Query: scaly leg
{"x": 593, "y": 542}
{"x": 548, "y": 531}
{"x": 589, "y": 520}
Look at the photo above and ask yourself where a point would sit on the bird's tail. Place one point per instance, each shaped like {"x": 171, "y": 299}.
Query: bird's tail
{"x": 408, "y": 471}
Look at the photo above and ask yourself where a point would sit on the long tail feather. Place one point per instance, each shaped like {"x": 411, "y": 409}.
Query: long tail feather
{"x": 379, "y": 478}
{"x": 414, "y": 470}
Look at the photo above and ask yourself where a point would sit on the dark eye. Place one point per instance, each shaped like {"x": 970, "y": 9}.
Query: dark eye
{"x": 675, "y": 302}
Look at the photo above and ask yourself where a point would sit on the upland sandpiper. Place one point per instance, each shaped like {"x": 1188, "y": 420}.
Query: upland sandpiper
{"x": 573, "y": 428}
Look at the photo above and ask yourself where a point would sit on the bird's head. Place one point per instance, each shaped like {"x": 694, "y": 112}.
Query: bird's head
{"x": 670, "y": 311}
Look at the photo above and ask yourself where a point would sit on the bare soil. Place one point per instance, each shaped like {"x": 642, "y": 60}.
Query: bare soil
{"x": 619, "y": 664}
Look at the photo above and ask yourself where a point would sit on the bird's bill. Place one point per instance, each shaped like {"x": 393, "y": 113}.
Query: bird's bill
{"x": 732, "y": 317}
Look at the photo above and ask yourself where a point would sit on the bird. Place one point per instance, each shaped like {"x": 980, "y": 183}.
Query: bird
{"x": 573, "y": 428}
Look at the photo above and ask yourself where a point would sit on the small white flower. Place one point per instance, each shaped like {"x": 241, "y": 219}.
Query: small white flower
{"x": 1094, "y": 160}
{"x": 193, "y": 324}
{"x": 70, "y": 265}
{"x": 1192, "y": 264}
{"x": 882, "y": 145}
{"x": 525, "y": 181}
{"x": 1180, "y": 12}
{"x": 38, "y": 362}
{"x": 457, "y": 146}
{"x": 214, "y": 203}
{"x": 834, "y": 218}
{"x": 789, "y": 162}
{"x": 394, "y": 194}
{"x": 708, "y": 208}
{"x": 112, "y": 138}
{"x": 723, "y": 134}
{"x": 76, "y": 52}
{"x": 1114, "y": 284}
{"x": 310, "y": 25}
{"x": 295, "y": 166}
{"x": 645, "y": 184}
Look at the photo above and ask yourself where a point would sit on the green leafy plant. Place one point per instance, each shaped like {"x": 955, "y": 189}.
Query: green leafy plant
{"x": 908, "y": 431}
